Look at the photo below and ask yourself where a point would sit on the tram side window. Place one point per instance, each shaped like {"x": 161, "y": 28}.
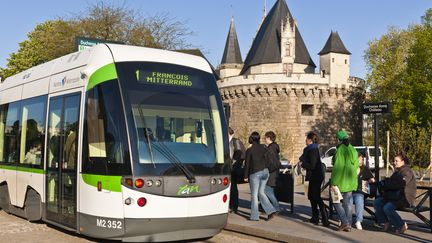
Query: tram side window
{"x": 9, "y": 133}
{"x": 33, "y": 131}
{"x": 105, "y": 149}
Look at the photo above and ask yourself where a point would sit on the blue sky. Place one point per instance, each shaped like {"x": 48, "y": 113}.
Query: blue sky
{"x": 357, "y": 22}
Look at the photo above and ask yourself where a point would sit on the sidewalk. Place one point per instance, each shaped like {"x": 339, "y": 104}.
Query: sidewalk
{"x": 287, "y": 227}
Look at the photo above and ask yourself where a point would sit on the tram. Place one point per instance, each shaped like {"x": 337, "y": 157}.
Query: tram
{"x": 116, "y": 142}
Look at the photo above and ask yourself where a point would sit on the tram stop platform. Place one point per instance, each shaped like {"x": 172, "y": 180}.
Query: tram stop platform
{"x": 291, "y": 227}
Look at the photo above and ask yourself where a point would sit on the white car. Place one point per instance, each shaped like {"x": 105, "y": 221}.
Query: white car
{"x": 367, "y": 151}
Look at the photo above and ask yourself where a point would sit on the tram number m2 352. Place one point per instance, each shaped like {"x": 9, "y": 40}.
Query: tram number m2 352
{"x": 111, "y": 224}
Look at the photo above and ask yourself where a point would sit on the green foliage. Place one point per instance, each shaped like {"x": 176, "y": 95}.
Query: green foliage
{"x": 55, "y": 38}
{"x": 414, "y": 141}
{"x": 400, "y": 71}
{"x": 427, "y": 18}
{"x": 47, "y": 41}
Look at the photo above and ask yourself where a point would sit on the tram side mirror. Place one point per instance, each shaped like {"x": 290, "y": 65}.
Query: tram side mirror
{"x": 198, "y": 129}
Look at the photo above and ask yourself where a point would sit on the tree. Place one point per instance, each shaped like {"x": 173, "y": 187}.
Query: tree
{"x": 47, "y": 41}
{"x": 55, "y": 38}
{"x": 400, "y": 71}
{"x": 427, "y": 18}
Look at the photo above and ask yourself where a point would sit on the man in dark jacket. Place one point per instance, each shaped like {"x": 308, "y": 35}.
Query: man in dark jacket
{"x": 311, "y": 161}
{"x": 398, "y": 191}
{"x": 272, "y": 157}
{"x": 237, "y": 155}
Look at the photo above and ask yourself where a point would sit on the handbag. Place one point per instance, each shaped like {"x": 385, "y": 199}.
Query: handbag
{"x": 336, "y": 195}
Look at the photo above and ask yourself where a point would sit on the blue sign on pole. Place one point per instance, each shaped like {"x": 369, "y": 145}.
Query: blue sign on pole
{"x": 83, "y": 43}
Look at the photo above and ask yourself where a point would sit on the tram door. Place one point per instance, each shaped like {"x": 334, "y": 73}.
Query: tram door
{"x": 61, "y": 163}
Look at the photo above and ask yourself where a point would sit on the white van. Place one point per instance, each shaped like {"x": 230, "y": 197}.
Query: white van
{"x": 367, "y": 151}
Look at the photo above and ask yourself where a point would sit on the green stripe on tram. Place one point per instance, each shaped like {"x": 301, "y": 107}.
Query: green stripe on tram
{"x": 110, "y": 183}
{"x": 23, "y": 169}
{"x": 103, "y": 74}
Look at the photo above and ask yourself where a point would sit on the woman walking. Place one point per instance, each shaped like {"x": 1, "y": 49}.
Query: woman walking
{"x": 311, "y": 161}
{"x": 272, "y": 159}
{"x": 257, "y": 174}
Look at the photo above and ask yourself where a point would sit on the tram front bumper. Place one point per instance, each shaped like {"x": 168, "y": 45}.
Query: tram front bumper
{"x": 173, "y": 229}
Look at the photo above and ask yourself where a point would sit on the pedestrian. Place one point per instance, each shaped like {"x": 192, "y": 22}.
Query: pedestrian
{"x": 273, "y": 165}
{"x": 365, "y": 177}
{"x": 257, "y": 174}
{"x": 344, "y": 179}
{"x": 311, "y": 161}
{"x": 397, "y": 192}
{"x": 237, "y": 155}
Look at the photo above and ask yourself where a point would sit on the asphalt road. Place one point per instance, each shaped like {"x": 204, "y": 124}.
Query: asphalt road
{"x": 15, "y": 229}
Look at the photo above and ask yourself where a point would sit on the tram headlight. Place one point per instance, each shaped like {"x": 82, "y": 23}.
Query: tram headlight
{"x": 225, "y": 181}
{"x": 128, "y": 201}
{"x": 213, "y": 181}
{"x": 158, "y": 183}
{"x": 219, "y": 181}
{"x": 139, "y": 183}
{"x": 149, "y": 183}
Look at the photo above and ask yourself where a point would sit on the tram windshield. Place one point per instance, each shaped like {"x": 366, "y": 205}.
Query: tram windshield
{"x": 175, "y": 113}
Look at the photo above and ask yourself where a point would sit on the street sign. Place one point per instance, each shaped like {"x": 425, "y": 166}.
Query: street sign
{"x": 376, "y": 108}
{"x": 83, "y": 43}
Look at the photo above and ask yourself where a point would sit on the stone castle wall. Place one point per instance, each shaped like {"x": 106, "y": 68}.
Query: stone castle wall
{"x": 291, "y": 110}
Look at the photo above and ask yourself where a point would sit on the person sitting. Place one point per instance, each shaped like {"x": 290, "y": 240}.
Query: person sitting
{"x": 33, "y": 155}
{"x": 397, "y": 192}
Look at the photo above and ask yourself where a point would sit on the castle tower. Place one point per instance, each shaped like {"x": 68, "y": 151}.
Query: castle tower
{"x": 232, "y": 62}
{"x": 335, "y": 60}
{"x": 278, "y": 46}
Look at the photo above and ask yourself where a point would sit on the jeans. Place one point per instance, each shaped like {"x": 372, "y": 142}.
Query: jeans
{"x": 344, "y": 209}
{"x": 257, "y": 183}
{"x": 386, "y": 213}
{"x": 359, "y": 205}
{"x": 269, "y": 191}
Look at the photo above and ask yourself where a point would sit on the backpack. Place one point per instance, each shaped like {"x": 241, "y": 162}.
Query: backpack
{"x": 272, "y": 160}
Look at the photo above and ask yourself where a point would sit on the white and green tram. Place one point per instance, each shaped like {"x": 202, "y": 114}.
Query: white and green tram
{"x": 116, "y": 142}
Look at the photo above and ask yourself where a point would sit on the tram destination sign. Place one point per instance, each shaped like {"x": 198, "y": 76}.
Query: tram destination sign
{"x": 376, "y": 108}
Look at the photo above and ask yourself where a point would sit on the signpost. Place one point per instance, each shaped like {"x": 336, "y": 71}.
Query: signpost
{"x": 376, "y": 109}
{"x": 83, "y": 43}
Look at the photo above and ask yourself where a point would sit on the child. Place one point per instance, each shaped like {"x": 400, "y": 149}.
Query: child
{"x": 365, "y": 176}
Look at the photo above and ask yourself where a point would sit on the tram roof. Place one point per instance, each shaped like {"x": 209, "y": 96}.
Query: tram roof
{"x": 95, "y": 57}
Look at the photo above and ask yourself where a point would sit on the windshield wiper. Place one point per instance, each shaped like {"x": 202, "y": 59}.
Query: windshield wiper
{"x": 165, "y": 151}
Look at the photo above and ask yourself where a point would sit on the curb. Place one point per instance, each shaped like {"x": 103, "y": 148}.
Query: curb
{"x": 271, "y": 235}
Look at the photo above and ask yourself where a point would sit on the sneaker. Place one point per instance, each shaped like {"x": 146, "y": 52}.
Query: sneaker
{"x": 347, "y": 229}
{"x": 270, "y": 216}
{"x": 358, "y": 225}
{"x": 344, "y": 227}
{"x": 402, "y": 229}
{"x": 312, "y": 220}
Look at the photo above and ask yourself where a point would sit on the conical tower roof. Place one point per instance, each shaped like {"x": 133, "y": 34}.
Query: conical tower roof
{"x": 232, "y": 49}
{"x": 266, "y": 47}
{"x": 334, "y": 44}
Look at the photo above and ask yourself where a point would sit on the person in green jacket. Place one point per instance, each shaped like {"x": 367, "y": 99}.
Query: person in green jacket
{"x": 344, "y": 177}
